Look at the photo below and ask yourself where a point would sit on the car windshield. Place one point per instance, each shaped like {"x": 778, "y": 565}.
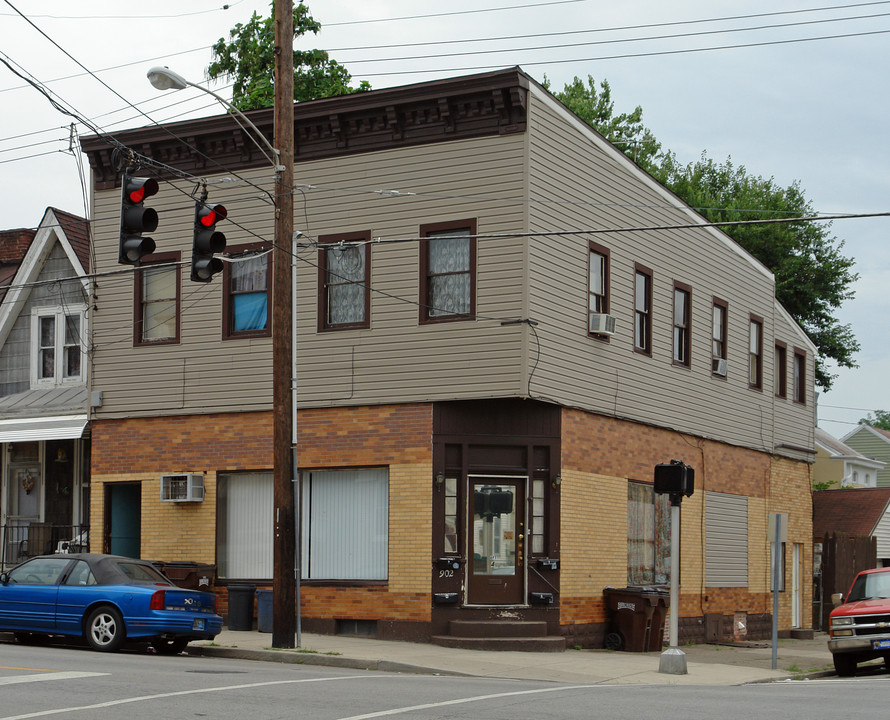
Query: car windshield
{"x": 142, "y": 573}
{"x": 870, "y": 586}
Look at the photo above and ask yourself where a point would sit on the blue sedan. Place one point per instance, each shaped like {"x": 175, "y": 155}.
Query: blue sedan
{"x": 107, "y": 599}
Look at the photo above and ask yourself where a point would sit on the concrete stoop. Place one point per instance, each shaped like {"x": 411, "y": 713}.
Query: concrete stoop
{"x": 515, "y": 635}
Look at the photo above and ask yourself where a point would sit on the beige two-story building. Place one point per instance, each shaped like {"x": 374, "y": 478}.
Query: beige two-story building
{"x": 502, "y": 326}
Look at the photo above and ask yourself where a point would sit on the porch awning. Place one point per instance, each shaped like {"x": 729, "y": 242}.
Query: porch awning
{"x": 61, "y": 427}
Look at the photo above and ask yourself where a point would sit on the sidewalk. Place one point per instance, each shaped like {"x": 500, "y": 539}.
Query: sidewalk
{"x": 706, "y": 664}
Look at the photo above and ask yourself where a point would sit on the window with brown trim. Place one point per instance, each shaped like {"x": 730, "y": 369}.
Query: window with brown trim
{"x": 800, "y": 376}
{"x": 344, "y": 279}
{"x": 755, "y": 353}
{"x": 719, "y": 325}
{"x": 247, "y": 291}
{"x": 682, "y": 324}
{"x": 448, "y": 271}
{"x": 156, "y": 304}
{"x": 642, "y": 310}
{"x": 597, "y": 286}
{"x": 780, "y": 381}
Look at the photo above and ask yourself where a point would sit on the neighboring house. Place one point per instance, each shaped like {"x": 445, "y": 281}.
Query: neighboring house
{"x": 476, "y": 438}
{"x": 839, "y": 466}
{"x": 44, "y": 448}
{"x": 874, "y": 443}
{"x": 857, "y": 512}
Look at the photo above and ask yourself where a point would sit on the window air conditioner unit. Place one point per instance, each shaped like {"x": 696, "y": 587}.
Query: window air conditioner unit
{"x": 182, "y": 488}
{"x": 601, "y": 324}
{"x": 718, "y": 366}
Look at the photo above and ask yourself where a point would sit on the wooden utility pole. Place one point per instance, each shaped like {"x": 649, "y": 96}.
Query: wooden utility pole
{"x": 283, "y": 371}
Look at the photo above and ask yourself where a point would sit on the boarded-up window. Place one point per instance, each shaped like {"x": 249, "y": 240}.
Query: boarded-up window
{"x": 726, "y": 548}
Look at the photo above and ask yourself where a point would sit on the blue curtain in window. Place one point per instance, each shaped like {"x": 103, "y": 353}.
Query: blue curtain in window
{"x": 250, "y": 311}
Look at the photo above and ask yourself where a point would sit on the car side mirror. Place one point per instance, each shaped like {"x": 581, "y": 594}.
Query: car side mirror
{"x": 4, "y": 578}
{"x": 837, "y": 599}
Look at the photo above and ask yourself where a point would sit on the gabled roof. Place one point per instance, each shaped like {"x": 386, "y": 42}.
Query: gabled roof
{"x": 877, "y": 432}
{"x": 854, "y": 512}
{"x": 839, "y": 451}
{"x": 55, "y": 226}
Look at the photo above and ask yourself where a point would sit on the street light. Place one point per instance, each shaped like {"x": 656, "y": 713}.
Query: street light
{"x": 284, "y": 574}
{"x": 163, "y": 78}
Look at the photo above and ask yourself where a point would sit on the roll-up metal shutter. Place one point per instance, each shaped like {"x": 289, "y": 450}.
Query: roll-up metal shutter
{"x": 726, "y": 546}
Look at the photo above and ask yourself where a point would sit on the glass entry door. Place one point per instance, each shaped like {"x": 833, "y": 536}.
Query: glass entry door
{"x": 497, "y": 541}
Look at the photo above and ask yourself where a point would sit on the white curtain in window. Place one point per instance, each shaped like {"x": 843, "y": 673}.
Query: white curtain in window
{"x": 345, "y": 285}
{"x": 345, "y": 525}
{"x": 449, "y": 268}
{"x": 244, "y": 542}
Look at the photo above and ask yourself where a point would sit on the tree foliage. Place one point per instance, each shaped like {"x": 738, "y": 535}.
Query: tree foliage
{"x": 596, "y": 107}
{"x": 813, "y": 277}
{"x": 248, "y": 58}
{"x": 880, "y": 420}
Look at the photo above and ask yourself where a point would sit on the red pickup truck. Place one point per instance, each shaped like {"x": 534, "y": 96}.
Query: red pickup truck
{"x": 859, "y": 627}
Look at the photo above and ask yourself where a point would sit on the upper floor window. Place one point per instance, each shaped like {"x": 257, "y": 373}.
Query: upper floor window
{"x": 448, "y": 271}
{"x": 157, "y": 301}
{"x": 597, "y": 284}
{"x": 643, "y": 310}
{"x": 755, "y": 353}
{"x": 57, "y": 347}
{"x": 780, "y": 381}
{"x": 344, "y": 275}
{"x": 247, "y": 291}
{"x": 682, "y": 324}
{"x": 800, "y": 376}
{"x": 720, "y": 313}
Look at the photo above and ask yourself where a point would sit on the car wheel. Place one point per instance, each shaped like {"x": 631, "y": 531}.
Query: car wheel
{"x": 614, "y": 641}
{"x": 844, "y": 665}
{"x": 169, "y": 647}
{"x": 105, "y": 629}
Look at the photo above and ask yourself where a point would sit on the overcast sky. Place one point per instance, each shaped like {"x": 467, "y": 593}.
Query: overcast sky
{"x": 791, "y": 89}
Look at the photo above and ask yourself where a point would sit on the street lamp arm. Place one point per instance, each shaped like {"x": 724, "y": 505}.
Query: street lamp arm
{"x": 163, "y": 78}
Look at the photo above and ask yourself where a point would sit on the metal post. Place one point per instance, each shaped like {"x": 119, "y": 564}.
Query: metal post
{"x": 673, "y": 660}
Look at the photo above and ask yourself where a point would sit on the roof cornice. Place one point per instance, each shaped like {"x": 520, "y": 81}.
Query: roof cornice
{"x": 458, "y": 108}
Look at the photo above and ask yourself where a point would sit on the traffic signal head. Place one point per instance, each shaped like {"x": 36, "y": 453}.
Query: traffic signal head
{"x": 207, "y": 241}
{"x": 136, "y": 219}
{"x": 674, "y": 478}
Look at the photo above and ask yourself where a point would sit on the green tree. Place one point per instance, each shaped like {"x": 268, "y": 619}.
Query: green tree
{"x": 880, "y": 420}
{"x": 248, "y": 58}
{"x": 596, "y": 108}
{"x": 813, "y": 277}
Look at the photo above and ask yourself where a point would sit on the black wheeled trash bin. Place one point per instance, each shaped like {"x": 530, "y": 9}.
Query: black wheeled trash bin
{"x": 241, "y": 607}
{"x": 636, "y": 618}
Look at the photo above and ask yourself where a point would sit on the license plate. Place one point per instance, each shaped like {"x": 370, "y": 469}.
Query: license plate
{"x": 880, "y": 644}
{"x": 198, "y": 625}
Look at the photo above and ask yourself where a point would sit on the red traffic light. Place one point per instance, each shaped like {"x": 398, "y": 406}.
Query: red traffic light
{"x": 137, "y": 189}
{"x": 209, "y": 215}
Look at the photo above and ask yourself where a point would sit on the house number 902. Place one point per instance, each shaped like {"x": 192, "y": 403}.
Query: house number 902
{"x": 446, "y": 573}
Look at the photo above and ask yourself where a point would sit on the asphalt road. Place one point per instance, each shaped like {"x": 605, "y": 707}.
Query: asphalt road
{"x": 78, "y": 684}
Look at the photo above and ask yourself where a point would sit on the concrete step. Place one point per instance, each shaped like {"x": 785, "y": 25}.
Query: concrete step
{"x": 550, "y": 643}
{"x": 497, "y": 628}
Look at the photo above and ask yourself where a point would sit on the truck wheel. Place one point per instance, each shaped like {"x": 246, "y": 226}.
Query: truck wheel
{"x": 844, "y": 665}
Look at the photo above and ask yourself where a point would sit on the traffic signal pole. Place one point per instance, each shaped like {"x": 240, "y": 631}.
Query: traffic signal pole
{"x": 283, "y": 370}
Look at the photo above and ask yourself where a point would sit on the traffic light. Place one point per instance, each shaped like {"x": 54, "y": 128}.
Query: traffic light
{"x": 674, "y": 478}
{"x": 136, "y": 219}
{"x": 207, "y": 241}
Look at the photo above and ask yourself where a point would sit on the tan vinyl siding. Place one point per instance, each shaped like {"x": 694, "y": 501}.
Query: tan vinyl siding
{"x": 609, "y": 377}
{"x": 396, "y": 360}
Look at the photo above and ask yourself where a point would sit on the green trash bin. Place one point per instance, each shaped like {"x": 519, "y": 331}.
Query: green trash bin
{"x": 264, "y": 611}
